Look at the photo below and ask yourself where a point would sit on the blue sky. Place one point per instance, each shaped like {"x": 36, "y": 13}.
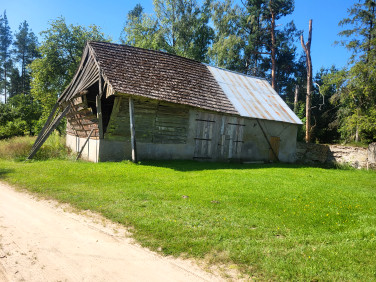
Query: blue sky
{"x": 110, "y": 16}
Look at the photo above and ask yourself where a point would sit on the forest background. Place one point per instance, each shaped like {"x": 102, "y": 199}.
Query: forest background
{"x": 254, "y": 37}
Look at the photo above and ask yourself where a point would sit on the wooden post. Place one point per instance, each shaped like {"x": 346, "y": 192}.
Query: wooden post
{"x": 83, "y": 146}
{"x": 133, "y": 131}
{"x": 273, "y": 46}
{"x": 296, "y": 99}
{"x": 307, "y": 50}
{"x": 99, "y": 107}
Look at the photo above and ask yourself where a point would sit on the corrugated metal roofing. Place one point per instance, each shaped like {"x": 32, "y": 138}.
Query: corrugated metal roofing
{"x": 253, "y": 97}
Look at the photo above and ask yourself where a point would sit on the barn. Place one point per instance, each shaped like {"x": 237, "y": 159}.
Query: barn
{"x": 130, "y": 103}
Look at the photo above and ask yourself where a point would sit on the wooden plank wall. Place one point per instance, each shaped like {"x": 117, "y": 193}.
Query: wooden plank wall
{"x": 81, "y": 120}
{"x": 218, "y": 136}
{"x": 155, "y": 122}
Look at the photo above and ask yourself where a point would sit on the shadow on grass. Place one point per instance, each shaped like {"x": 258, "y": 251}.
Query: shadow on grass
{"x": 4, "y": 172}
{"x": 190, "y": 165}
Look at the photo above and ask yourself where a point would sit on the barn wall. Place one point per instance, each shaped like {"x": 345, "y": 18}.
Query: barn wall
{"x": 90, "y": 151}
{"x": 169, "y": 131}
{"x": 255, "y": 146}
{"x": 163, "y": 131}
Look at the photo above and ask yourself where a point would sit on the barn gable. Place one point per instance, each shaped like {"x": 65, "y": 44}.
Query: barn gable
{"x": 179, "y": 108}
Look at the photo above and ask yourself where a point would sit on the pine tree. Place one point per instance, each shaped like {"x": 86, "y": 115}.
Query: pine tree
{"x": 5, "y": 43}
{"x": 247, "y": 39}
{"x": 25, "y": 51}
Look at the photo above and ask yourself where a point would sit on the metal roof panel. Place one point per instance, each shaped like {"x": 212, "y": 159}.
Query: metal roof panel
{"x": 253, "y": 97}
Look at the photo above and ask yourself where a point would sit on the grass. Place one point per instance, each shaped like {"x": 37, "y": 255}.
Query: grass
{"x": 273, "y": 222}
{"x": 18, "y": 148}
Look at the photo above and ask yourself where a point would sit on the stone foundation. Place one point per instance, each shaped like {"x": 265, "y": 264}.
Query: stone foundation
{"x": 357, "y": 157}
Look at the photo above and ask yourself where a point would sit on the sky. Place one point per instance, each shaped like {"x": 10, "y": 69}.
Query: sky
{"x": 110, "y": 15}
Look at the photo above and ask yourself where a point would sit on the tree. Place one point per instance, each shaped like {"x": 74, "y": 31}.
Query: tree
{"x": 25, "y": 51}
{"x": 180, "y": 27}
{"x": 141, "y": 30}
{"x": 307, "y": 50}
{"x": 15, "y": 85}
{"x": 356, "y": 87}
{"x": 260, "y": 48}
{"x": 5, "y": 43}
{"x": 61, "y": 51}
{"x": 185, "y": 27}
{"x": 323, "y": 112}
{"x": 227, "y": 50}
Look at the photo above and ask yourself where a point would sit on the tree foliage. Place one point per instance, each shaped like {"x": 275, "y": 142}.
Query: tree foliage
{"x": 25, "y": 51}
{"x": 179, "y": 27}
{"x": 19, "y": 117}
{"x": 61, "y": 51}
{"x": 356, "y": 87}
{"x": 5, "y": 59}
{"x": 243, "y": 39}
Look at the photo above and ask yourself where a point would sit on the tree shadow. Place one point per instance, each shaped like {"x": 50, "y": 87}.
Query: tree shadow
{"x": 4, "y": 172}
{"x": 191, "y": 165}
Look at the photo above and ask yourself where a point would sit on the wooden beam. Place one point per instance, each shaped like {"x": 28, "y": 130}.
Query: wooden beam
{"x": 48, "y": 122}
{"x": 99, "y": 107}
{"x": 50, "y": 129}
{"x": 133, "y": 131}
{"x": 267, "y": 140}
{"x": 83, "y": 146}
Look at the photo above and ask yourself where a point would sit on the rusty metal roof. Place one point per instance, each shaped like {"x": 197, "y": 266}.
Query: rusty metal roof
{"x": 253, "y": 97}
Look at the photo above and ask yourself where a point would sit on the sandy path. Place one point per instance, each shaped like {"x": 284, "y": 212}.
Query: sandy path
{"x": 39, "y": 241}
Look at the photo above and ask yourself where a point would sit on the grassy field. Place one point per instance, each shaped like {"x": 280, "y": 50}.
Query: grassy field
{"x": 272, "y": 222}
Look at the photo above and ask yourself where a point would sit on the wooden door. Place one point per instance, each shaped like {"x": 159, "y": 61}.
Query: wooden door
{"x": 231, "y": 138}
{"x": 205, "y": 135}
{"x": 274, "y": 143}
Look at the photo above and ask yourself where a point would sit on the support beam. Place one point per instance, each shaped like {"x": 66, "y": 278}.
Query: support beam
{"x": 99, "y": 107}
{"x": 267, "y": 140}
{"x": 49, "y": 130}
{"x": 83, "y": 146}
{"x": 133, "y": 131}
{"x": 48, "y": 122}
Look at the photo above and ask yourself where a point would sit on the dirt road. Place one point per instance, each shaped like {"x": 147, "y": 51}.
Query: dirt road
{"x": 43, "y": 241}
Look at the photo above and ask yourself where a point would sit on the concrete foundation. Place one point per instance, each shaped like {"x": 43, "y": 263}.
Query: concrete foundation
{"x": 91, "y": 150}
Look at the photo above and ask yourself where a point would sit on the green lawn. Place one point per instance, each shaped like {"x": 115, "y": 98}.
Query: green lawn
{"x": 275, "y": 222}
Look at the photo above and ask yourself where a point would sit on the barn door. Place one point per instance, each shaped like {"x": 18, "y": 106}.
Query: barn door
{"x": 274, "y": 148}
{"x": 231, "y": 137}
{"x": 205, "y": 139}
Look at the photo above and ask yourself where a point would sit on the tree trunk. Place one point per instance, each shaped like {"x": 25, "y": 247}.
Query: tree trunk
{"x": 133, "y": 130}
{"x": 272, "y": 31}
{"x": 5, "y": 83}
{"x": 296, "y": 99}
{"x": 307, "y": 50}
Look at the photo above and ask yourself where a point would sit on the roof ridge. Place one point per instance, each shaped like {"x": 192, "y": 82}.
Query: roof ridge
{"x": 145, "y": 49}
{"x": 236, "y": 72}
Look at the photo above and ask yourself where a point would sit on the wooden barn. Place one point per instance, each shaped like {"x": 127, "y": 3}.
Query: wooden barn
{"x": 131, "y": 103}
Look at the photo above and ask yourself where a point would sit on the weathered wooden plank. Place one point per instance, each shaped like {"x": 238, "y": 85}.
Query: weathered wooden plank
{"x": 133, "y": 133}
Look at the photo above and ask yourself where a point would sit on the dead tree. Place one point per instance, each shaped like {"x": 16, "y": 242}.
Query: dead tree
{"x": 307, "y": 50}
{"x": 296, "y": 99}
{"x": 272, "y": 33}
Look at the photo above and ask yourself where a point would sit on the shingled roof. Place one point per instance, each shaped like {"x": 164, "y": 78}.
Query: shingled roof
{"x": 161, "y": 76}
